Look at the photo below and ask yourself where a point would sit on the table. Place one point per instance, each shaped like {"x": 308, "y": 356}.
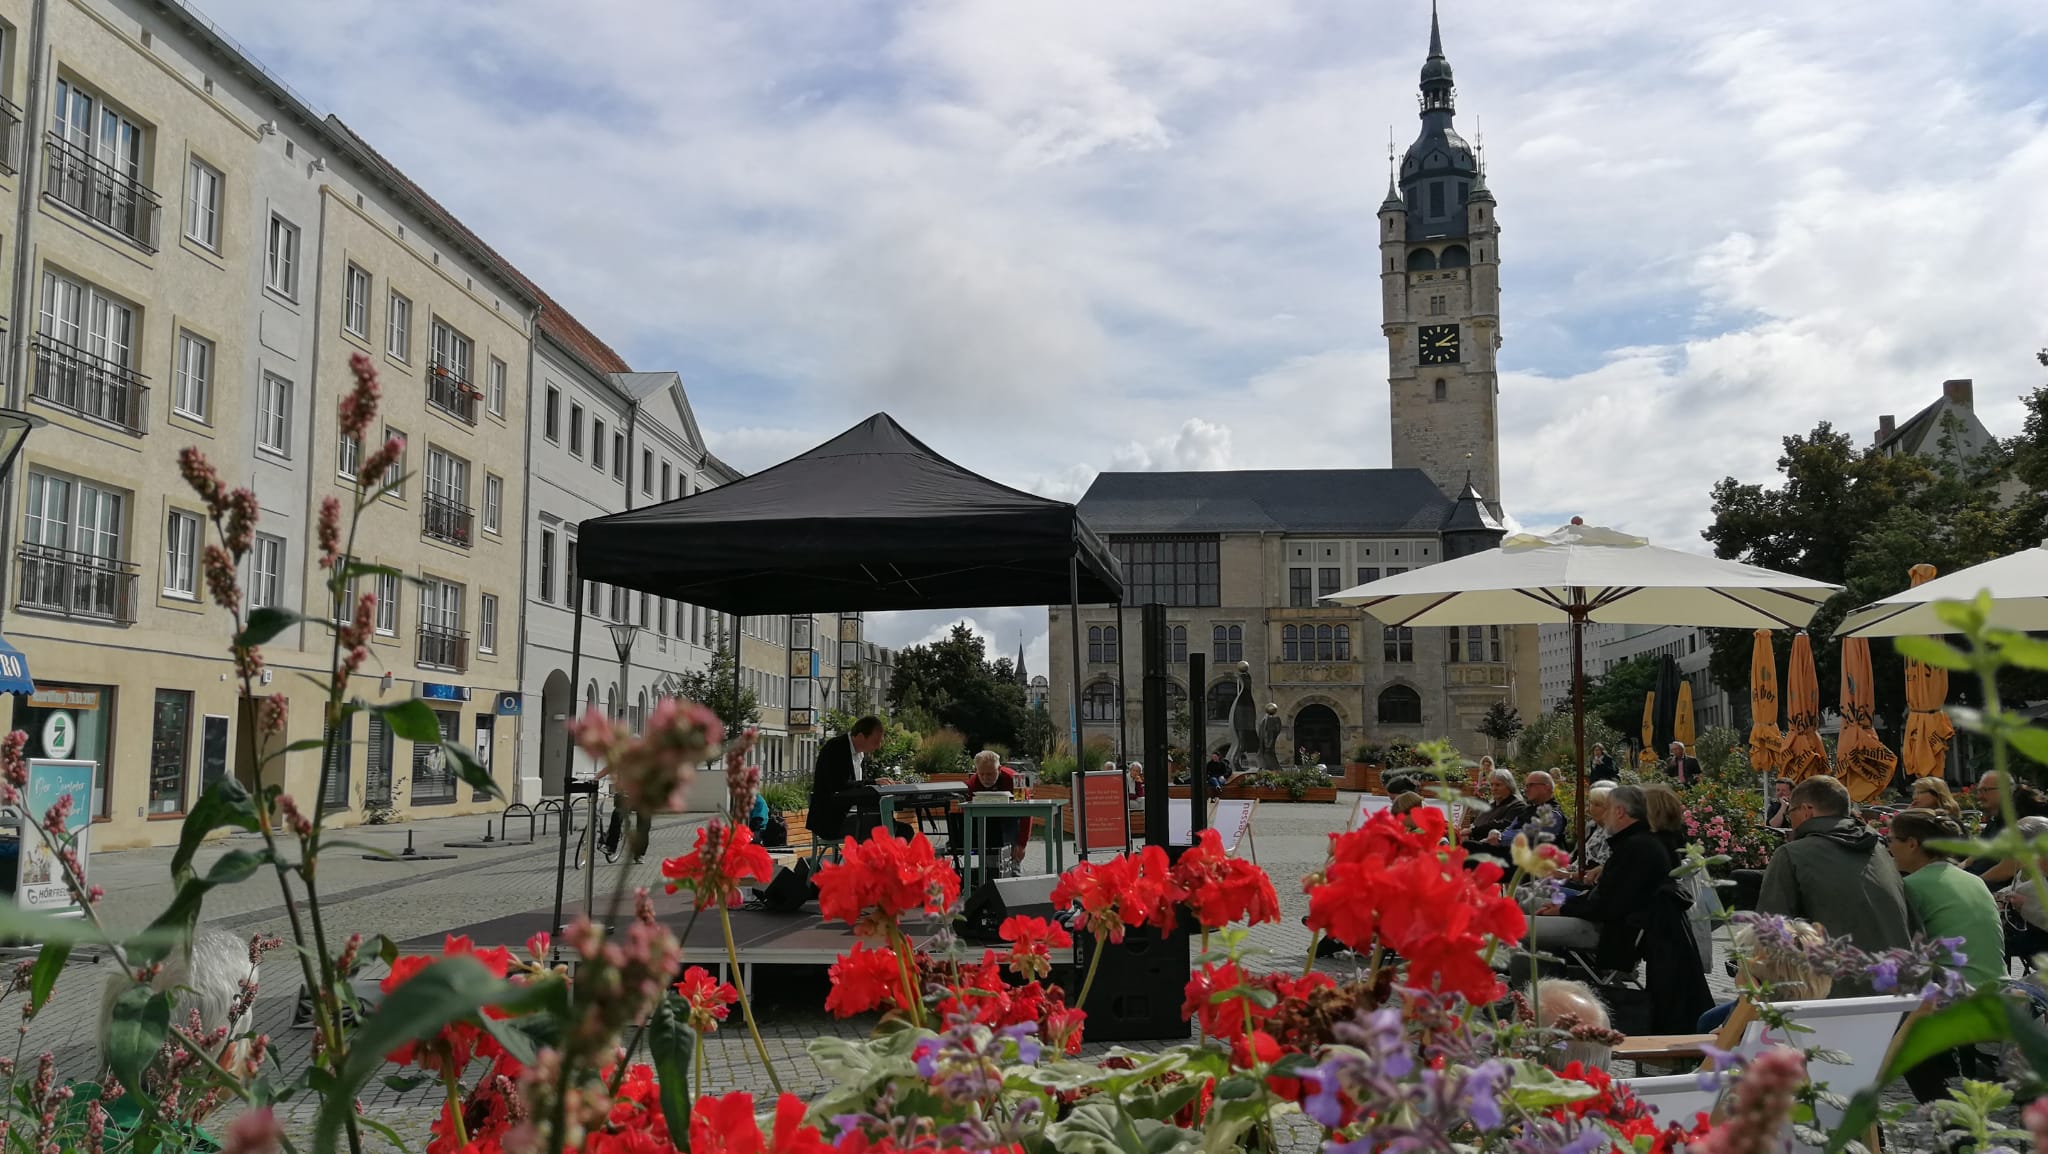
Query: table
{"x": 918, "y": 796}
{"x": 1047, "y": 810}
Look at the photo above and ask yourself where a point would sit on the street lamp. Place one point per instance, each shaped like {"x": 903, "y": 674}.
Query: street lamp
{"x": 623, "y": 635}
{"x": 14, "y": 430}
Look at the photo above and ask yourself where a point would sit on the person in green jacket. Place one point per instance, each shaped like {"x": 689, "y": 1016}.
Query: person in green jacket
{"x": 1833, "y": 871}
{"x": 1952, "y": 903}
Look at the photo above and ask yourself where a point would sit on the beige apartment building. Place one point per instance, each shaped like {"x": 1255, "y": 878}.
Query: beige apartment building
{"x": 193, "y": 255}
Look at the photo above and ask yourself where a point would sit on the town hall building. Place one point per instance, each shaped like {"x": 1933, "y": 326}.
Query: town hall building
{"x": 1242, "y": 558}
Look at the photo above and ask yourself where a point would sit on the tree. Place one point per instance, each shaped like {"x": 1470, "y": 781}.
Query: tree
{"x": 1037, "y": 737}
{"x": 1500, "y": 725}
{"x": 1616, "y": 696}
{"x": 953, "y": 684}
{"x": 713, "y": 687}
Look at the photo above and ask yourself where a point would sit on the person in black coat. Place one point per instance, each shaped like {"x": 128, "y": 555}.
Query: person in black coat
{"x": 1602, "y": 765}
{"x": 1604, "y": 918}
{"x": 839, "y": 770}
{"x": 1681, "y": 768}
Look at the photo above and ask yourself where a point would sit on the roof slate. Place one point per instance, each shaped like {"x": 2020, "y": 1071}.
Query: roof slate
{"x": 1267, "y": 501}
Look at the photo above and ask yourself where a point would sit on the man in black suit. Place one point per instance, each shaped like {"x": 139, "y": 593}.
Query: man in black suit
{"x": 840, "y": 769}
{"x": 1682, "y": 769}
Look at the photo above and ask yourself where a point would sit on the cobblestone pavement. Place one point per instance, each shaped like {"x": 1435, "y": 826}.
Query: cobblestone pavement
{"x": 409, "y": 899}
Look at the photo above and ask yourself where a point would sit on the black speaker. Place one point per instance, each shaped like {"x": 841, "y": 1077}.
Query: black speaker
{"x": 1139, "y": 987}
{"x": 788, "y": 890}
{"x": 982, "y": 918}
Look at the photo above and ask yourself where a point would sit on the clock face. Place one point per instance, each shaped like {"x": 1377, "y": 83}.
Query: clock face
{"x": 1437, "y": 344}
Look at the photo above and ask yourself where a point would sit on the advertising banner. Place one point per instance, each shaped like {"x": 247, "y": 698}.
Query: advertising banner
{"x": 39, "y": 884}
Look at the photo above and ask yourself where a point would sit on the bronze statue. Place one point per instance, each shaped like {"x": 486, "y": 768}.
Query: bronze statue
{"x": 1269, "y": 738}
{"x": 1244, "y": 722}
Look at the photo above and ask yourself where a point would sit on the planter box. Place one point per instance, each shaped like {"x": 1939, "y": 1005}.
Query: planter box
{"x": 1361, "y": 777}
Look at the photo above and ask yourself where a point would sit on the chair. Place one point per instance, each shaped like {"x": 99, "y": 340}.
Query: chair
{"x": 1674, "y": 1098}
{"x": 1862, "y": 1029}
{"x": 1368, "y": 804}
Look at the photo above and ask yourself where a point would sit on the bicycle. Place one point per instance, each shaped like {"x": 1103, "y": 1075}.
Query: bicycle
{"x": 606, "y": 828}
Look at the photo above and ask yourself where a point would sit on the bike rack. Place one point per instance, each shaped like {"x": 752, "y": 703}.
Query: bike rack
{"x": 526, "y": 811}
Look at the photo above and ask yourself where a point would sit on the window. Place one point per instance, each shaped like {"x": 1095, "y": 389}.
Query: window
{"x": 643, "y": 610}
{"x": 1222, "y": 695}
{"x": 266, "y": 571}
{"x": 597, "y": 444}
{"x": 1398, "y": 643}
{"x": 202, "y": 203}
{"x": 281, "y": 266}
{"x": 619, "y": 461}
{"x": 666, "y": 479}
{"x": 387, "y": 604}
{"x": 192, "y": 376}
{"x": 618, "y": 603}
{"x": 1177, "y": 644}
{"x": 1442, "y": 391}
{"x": 274, "y": 415}
{"x": 345, "y": 604}
{"x": 1343, "y": 650}
{"x": 355, "y": 300}
{"x": 441, "y": 608}
{"x": 1367, "y": 574}
{"x": 575, "y": 429}
{"x": 1169, "y": 571}
{"x": 181, "y": 555}
{"x": 1436, "y": 306}
{"x": 495, "y": 397}
{"x": 1400, "y": 705}
{"x": 394, "y": 476}
{"x": 647, "y": 470}
{"x": 1475, "y": 643}
{"x": 1298, "y": 588}
{"x": 398, "y": 327}
{"x": 1329, "y": 579}
{"x": 448, "y": 516}
{"x": 348, "y": 456}
{"x": 170, "y": 751}
{"x": 487, "y": 623}
{"x": 1226, "y": 643}
{"x": 78, "y": 317}
{"x": 72, "y": 559}
{"x": 1098, "y": 702}
{"x": 1102, "y": 643}
{"x": 551, "y": 415}
{"x": 494, "y": 501}
{"x": 86, "y": 132}
{"x": 453, "y": 352}
{"x": 547, "y": 566}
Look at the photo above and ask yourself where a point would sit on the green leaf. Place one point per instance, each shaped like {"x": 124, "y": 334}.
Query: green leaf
{"x": 474, "y": 773}
{"x": 1988, "y": 1016}
{"x": 267, "y": 623}
{"x": 1236, "y": 1086}
{"x": 405, "y": 1084}
{"x": 450, "y": 990}
{"x": 1093, "y": 1126}
{"x": 1535, "y": 1088}
{"x": 672, "y": 1044}
{"x": 1964, "y": 616}
{"x": 2030, "y": 740}
{"x": 2023, "y": 651}
{"x": 225, "y": 803}
{"x": 137, "y": 1025}
{"x": 355, "y": 569}
{"x": 306, "y": 743}
{"x": 49, "y": 965}
{"x": 1929, "y": 651}
{"x": 412, "y": 719}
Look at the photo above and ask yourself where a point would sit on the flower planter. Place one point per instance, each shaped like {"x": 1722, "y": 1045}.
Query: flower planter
{"x": 1361, "y": 777}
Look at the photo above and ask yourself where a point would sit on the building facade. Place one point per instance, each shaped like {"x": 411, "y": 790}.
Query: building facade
{"x": 1693, "y": 651}
{"x": 1554, "y": 658}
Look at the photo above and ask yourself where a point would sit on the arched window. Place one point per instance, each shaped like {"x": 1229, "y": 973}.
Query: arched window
{"x": 1400, "y": 705}
{"x": 1455, "y": 256}
{"x": 1176, "y": 697}
{"x": 1227, "y": 643}
{"x": 1098, "y": 702}
{"x": 1442, "y": 391}
{"x": 1221, "y": 695}
{"x": 590, "y": 698}
{"x": 1422, "y": 260}
{"x": 1177, "y": 645}
{"x": 1102, "y": 643}
{"x": 640, "y": 712}
{"x": 1343, "y": 642}
{"x": 1289, "y": 643}
{"x": 611, "y": 701}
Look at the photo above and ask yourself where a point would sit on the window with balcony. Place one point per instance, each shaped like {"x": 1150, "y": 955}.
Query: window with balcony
{"x": 597, "y": 444}
{"x": 95, "y": 165}
{"x": 85, "y": 355}
{"x": 448, "y": 378}
{"x": 355, "y": 300}
{"x": 1315, "y": 643}
{"x": 202, "y": 203}
{"x": 443, "y": 644}
{"x": 398, "y": 327}
{"x": 445, "y": 514}
{"x": 281, "y": 258}
{"x": 487, "y": 623}
{"x": 387, "y": 604}
{"x": 1169, "y": 571}
{"x": 496, "y": 396}
{"x": 71, "y": 560}
{"x": 181, "y": 555}
{"x": 274, "y": 415}
{"x": 192, "y": 377}
{"x": 1226, "y": 643}
{"x": 494, "y": 501}
{"x": 266, "y": 572}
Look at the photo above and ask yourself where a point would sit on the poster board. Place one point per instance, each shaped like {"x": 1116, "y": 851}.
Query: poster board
{"x": 1180, "y": 821}
{"x": 1231, "y": 818}
{"x": 1108, "y": 817}
{"x": 39, "y": 880}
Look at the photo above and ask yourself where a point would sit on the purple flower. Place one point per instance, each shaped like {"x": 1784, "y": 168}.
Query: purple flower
{"x": 1480, "y": 1090}
{"x": 1884, "y": 975}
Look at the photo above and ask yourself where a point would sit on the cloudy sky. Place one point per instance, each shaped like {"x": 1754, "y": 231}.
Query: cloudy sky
{"x": 1065, "y": 236}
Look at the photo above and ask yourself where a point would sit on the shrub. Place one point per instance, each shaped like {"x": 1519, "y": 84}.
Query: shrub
{"x": 1369, "y": 753}
{"x": 1056, "y": 770}
{"x": 788, "y": 796}
{"x": 942, "y": 752}
{"x": 1727, "y": 820}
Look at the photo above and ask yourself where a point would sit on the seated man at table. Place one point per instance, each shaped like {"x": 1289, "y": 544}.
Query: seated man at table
{"x": 1001, "y": 839}
{"x": 841, "y": 778}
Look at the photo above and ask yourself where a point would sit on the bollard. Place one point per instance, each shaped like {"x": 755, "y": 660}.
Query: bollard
{"x": 409, "y": 851}
{"x": 487, "y": 832}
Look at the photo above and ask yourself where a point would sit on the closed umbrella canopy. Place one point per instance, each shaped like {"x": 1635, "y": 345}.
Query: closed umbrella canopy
{"x": 1805, "y": 756}
{"x": 1667, "y": 704}
{"x": 1928, "y": 729}
{"x": 2018, "y": 585}
{"x": 1683, "y": 729}
{"x": 1766, "y": 742}
{"x": 1861, "y": 760}
{"x": 1648, "y": 756}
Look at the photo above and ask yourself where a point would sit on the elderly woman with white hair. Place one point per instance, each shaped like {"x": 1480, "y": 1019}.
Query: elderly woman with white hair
{"x": 1507, "y": 810}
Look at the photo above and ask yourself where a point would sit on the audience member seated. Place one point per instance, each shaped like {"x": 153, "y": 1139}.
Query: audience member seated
{"x": 1003, "y": 838}
{"x": 1932, "y": 793}
{"x": 1599, "y": 919}
{"x": 1781, "y": 803}
{"x": 1951, "y": 903}
{"x": 1406, "y": 801}
{"x": 1667, "y": 819}
{"x": 1563, "y": 1004}
{"x": 1594, "y": 855}
{"x": 1784, "y": 974}
{"x": 1830, "y": 872}
{"x": 1542, "y": 819}
{"x": 2027, "y": 801}
{"x": 1217, "y": 771}
{"x": 2026, "y": 923}
{"x": 1479, "y": 833}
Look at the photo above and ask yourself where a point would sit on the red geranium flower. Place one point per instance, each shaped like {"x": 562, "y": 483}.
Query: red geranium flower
{"x": 449, "y": 1051}
{"x": 864, "y": 978}
{"x": 710, "y": 999}
{"x": 727, "y": 1126}
{"x": 723, "y": 857}
{"x": 1126, "y": 891}
{"x": 881, "y": 879}
{"x": 1032, "y": 941}
{"x": 1222, "y": 889}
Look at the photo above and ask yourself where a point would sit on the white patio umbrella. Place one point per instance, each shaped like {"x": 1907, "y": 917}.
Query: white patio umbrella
{"x": 1584, "y": 573}
{"x": 2018, "y": 585}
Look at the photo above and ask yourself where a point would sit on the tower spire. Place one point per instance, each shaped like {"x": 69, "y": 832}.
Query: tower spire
{"x": 1436, "y": 36}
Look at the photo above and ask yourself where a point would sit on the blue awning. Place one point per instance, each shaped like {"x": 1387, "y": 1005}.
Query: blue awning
{"x": 14, "y": 670}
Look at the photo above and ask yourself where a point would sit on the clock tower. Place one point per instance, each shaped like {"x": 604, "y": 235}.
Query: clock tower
{"x": 1440, "y": 298}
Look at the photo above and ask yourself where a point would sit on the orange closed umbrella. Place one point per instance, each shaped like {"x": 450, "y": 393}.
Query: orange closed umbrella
{"x": 1648, "y": 757}
{"x": 1861, "y": 760}
{"x": 1766, "y": 743}
{"x": 1805, "y": 756}
{"x": 1928, "y": 729}
{"x": 1684, "y": 730}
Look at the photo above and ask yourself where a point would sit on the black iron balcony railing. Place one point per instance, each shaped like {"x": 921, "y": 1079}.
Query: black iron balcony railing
{"x": 71, "y": 378}
{"x": 446, "y": 520}
{"x": 83, "y": 182}
{"x": 76, "y": 584}
{"x": 443, "y": 649}
{"x": 451, "y": 393}
{"x": 10, "y": 136}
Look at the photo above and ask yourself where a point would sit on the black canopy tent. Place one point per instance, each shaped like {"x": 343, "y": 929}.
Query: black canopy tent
{"x": 871, "y": 520}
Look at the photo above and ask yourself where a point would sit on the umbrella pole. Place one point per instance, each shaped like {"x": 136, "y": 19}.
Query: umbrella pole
{"x": 1079, "y": 792}
{"x": 1579, "y": 724}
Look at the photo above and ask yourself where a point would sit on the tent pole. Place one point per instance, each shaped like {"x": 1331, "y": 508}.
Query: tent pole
{"x": 568, "y": 759}
{"x": 739, "y": 715}
{"x": 1579, "y": 724}
{"x": 1123, "y": 695}
{"x": 1080, "y": 794}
